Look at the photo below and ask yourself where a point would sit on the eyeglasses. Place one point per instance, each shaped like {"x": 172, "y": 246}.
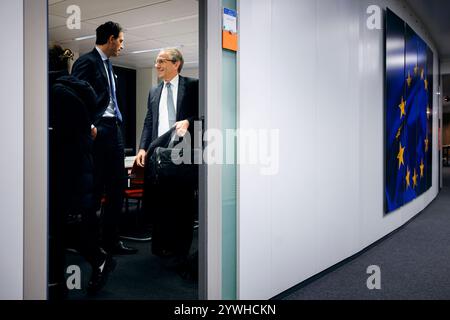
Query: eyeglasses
{"x": 162, "y": 60}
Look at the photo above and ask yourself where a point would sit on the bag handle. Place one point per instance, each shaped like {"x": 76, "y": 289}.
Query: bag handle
{"x": 173, "y": 139}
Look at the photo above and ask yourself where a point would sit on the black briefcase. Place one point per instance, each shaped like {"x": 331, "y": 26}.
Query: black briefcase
{"x": 163, "y": 168}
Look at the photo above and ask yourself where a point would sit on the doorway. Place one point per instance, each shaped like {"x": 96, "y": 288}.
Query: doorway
{"x": 149, "y": 26}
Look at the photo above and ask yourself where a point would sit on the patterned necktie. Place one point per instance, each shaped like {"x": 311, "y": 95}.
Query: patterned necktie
{"x": 170, "y": 106}
{"x": 112, "y": 91}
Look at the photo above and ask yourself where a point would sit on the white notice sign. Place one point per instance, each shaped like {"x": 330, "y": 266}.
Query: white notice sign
{"x": 229, "y": 20}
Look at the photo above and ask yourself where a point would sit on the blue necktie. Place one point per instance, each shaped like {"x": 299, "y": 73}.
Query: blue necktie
{"x": 170, "y": 106}
{"x": 112, "y": 91}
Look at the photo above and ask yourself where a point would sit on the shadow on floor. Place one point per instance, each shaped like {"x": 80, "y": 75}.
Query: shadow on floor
{"x": 137, "y": 277}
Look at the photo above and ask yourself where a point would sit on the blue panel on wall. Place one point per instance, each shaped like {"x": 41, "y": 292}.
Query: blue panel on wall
{"x": 408, "y": 114}
{"x": 395, "y": 111}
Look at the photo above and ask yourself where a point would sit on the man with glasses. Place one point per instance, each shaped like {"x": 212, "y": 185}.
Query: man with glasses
{"x": 173, "y": 104}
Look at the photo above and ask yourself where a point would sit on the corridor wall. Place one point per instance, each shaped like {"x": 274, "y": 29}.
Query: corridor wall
{"x": 11, "y": 142}
{"x": 313, "y": 70}
{"x": 445, "y": 67}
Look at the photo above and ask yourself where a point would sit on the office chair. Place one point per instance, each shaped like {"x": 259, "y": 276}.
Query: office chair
{"x": 135, "y": 191}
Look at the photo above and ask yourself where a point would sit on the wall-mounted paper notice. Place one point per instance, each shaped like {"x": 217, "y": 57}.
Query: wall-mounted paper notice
{"x": 229, "y": 20}
{"x": 229, "y": 32}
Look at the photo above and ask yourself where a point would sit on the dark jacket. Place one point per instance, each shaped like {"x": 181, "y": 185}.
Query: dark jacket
{"x": 187, "y": 109}
{"x": 71, "y": 143}
{"x": 90, "y": 67}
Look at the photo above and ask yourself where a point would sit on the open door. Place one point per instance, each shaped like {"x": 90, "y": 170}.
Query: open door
{"x": 148, "y": 28}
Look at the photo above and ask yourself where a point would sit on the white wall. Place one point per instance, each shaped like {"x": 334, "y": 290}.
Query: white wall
{"x": 312, "y": 69}
{"x": 144, "y": 81}
{"x": 445, "y": 67}
{"x": 11, "y": 143}
{"x": 190, "y": 72}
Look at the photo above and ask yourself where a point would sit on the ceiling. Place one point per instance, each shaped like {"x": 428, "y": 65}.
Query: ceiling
{"x": 148, "y": 25}
{"x": 435, "y": 14}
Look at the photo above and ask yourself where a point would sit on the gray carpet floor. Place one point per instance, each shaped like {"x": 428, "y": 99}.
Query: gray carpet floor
{"x": 414, "y": 262}
{"x": 142, "y": 276}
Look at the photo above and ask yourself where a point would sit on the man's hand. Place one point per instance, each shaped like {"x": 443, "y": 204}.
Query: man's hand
{"x": 140, "y": 158}
{"x": 94, "y": 132}
{"x": 182, "y": 127}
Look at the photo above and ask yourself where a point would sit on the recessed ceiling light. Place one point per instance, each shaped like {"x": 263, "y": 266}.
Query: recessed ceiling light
{"x": 153, "y": 50}
{"x": 145, "y": 51}
{"x": 154, "y": 24}
{"x": 84, "y": 38}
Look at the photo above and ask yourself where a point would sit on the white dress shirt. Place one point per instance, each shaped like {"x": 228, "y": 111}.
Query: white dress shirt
{"x": 109, "y": 112}
{"x": 163, "y": 112}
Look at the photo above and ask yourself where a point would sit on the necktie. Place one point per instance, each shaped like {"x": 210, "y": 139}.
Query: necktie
{"x": 112, "y": 91}
{"x": 170, "y": 106}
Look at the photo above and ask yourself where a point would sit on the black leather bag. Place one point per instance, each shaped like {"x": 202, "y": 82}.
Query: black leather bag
{"x": 163, "y": 169}
{"x": 162, "y": 165}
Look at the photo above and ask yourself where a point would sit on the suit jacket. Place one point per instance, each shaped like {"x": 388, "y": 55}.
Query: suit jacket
{"x": 187, "y": 109}
{"x": 91, "y": 68}
{"x": 72, "y": 181}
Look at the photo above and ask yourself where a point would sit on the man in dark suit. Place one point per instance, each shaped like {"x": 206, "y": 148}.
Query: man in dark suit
{"x": 171, "y": 104}
{"x": 109, "y": 172}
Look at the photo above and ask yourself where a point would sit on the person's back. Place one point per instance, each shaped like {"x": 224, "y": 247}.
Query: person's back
{"x": 71, "y": 176}
{"x": 72, "y": 141}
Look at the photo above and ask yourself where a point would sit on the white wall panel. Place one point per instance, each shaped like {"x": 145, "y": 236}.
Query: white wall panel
{"x": 313, "y": 70}
{"x": 11, "y": 161}
{"x": 337, "y": 139}
{"x": 143, "y": 86}
{"x": 445, "y": 67}
{"x": 257, "y": 99}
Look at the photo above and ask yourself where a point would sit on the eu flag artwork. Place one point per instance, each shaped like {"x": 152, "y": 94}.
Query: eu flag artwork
{"x": 409, "y": 123}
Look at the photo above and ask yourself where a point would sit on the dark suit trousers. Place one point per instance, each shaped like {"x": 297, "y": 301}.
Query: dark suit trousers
{"x": 172, "y": 218}
{"x": 109, "y": 177}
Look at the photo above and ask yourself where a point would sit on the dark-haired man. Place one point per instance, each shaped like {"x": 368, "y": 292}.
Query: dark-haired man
{"x": 109, "y": 173}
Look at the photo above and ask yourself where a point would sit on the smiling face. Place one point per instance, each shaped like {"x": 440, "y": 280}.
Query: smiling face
{"x": 165, "y": 66}
{"x": 115, "y": 45}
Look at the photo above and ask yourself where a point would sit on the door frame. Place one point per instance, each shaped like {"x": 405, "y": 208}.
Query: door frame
{"x": 36, "y": 150}
{"x": 210, "y": 180}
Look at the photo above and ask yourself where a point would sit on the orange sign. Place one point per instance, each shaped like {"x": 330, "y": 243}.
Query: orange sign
{"x": 229, "y": 40}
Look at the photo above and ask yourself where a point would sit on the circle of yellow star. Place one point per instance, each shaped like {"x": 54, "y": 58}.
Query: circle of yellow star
{"x": 409, "y": 79}
{"x": 414, "y": 178}
{"x": 422, "y": 166}
{"x": 400, "y": 156}
{"x": 399, "y": 132}
{"x": 402, "y": 107}
{"x": 407, "y": 178}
